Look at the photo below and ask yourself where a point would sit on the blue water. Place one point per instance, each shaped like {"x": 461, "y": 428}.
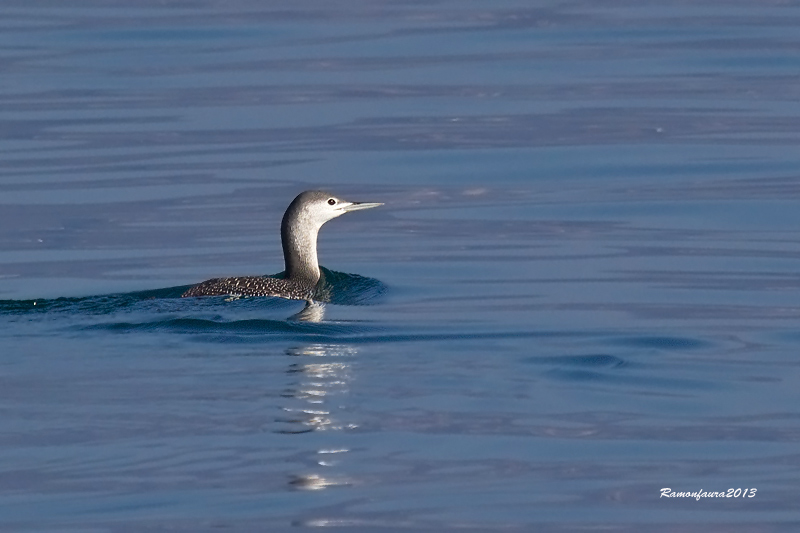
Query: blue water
{"x": 582, "y": 287}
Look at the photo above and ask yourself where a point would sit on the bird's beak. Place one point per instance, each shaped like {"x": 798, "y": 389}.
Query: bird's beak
{"x": 358, "y": 205}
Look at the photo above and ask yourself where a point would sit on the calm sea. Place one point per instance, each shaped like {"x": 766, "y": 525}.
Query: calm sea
{"x": 582, "y": 289}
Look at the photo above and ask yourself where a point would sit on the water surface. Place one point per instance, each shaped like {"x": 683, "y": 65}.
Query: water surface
{"x": 582, "y": 288}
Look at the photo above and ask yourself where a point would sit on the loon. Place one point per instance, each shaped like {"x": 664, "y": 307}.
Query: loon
{"x": 299, "y": 228}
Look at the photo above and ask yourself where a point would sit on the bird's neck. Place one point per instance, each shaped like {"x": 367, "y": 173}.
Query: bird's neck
{"x": 300, "y": 253}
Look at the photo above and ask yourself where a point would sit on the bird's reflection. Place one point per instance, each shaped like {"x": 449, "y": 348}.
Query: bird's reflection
{"x": 316, "y": 403}
{"x": 313, "y": 312}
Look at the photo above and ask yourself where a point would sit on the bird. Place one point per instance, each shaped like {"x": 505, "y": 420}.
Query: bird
{"x": 299, "y": 228}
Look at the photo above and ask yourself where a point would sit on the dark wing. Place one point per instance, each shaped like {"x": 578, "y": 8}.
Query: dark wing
{"x": 251, "y": 286}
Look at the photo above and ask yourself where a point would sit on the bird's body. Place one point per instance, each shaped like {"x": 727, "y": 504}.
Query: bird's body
{"x": 253, "y": 286}
{"x": 299, "y": 228}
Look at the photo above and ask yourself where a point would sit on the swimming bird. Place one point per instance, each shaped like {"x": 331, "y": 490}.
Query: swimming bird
{"x": 299, "y": 228}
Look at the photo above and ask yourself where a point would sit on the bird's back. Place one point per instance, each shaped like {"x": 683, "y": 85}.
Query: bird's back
{"x": 252, "y": 286}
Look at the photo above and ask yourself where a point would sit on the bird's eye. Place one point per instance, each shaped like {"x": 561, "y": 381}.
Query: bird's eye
{"x": 331, "y": 201}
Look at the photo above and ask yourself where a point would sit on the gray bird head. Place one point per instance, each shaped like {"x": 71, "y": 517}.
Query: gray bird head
{"x": 317, "y": 207}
